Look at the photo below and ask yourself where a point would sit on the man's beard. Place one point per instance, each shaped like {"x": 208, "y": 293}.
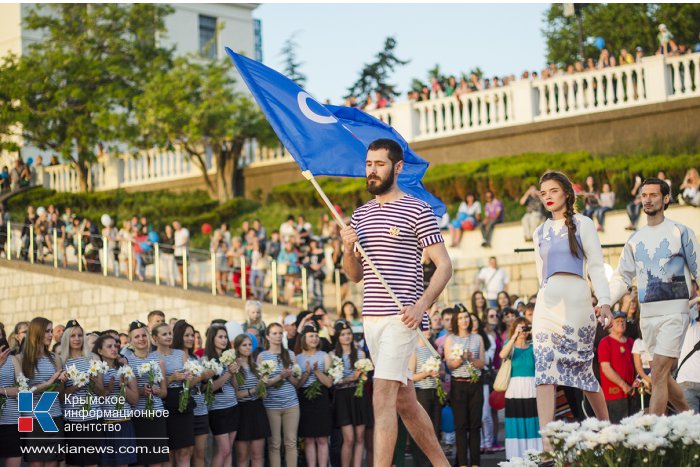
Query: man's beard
{"x": 382, "y": 186}
{"x": 651, "y": 210}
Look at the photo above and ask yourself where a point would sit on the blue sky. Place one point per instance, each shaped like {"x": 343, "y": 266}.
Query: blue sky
{"x": 336, "y": 40}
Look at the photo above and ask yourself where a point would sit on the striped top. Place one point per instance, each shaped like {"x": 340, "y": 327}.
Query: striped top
{"x": 197, "y": 394}
{"x": 285, "y": 396}
{"x": 42, "y": 373}
{"x": 172, "y": 363}
{"x": 225, "y": 396}
{"x": 72, "y": 402}
{"x": 394, "y": 235}
{"x": 318, "y": 357}
{"x": 135, "y": 362}
{"x": 422, "y": 355}
{"x": 110, "y": 406}
{"x": 10, "y": 412}
{"x": 251, "y": 380}
{"x": 473, "y": 345}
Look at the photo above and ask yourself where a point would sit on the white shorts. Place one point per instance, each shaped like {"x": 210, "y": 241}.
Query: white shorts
{"x": 663, "y": 335}
{"x": 391, "y": 344}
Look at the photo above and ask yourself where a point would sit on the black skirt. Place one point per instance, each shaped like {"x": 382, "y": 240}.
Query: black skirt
{"x": 42, "y": 451}
{"x": 201, "y": 425}
{"x": 120, "y": 440}
{"x": 180, "y": 428}
{"x": 156, "y": 450}
{"x": 75, "y": 434}
{"x": 316, "y": 420}
{"x": 224, "y": 420}
{"x": 254, "y": 423}
{"x": 350, "y": 410}
{"x": 10, "y": 445}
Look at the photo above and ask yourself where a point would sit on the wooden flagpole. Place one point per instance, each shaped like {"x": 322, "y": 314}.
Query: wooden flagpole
{"x": 310, "y": 177}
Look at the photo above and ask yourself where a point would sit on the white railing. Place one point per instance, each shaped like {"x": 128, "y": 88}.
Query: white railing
{"x": 656, "y": 79}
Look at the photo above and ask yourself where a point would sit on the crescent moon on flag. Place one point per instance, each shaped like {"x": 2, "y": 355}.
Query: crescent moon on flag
{"x": 310, "y": 114}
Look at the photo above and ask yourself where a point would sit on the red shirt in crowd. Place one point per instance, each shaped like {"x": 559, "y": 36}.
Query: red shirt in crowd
{"x": 619, "y": 355}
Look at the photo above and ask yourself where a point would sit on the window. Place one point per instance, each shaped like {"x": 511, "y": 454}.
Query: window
{"x": 207, "y": 36}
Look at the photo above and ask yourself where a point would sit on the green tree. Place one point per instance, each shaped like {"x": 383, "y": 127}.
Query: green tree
{"x": 374, "y": 76}
{"x": 291, "y": 64}
{"x": 73, "y": 90}
{"x": 196, "y": 106}
{"x": 621, "y": 25}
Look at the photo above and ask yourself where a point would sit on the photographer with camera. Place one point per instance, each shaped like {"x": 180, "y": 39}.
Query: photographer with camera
{"x": 522, "y": 423}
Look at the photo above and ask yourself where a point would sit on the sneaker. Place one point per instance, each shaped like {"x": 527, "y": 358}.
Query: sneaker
{"x": 497, "y": 448}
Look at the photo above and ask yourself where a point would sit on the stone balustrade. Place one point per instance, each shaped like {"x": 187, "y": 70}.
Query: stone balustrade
{"x": 655, "y": 79}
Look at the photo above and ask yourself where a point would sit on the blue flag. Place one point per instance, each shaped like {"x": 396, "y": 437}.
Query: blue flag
{"x": 327, "y": 139}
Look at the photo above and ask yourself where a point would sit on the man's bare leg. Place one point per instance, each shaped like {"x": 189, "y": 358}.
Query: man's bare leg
{"x": 664, "y": 387}
{"x": 385, "y": 424}
{"x": 419, "y": 425}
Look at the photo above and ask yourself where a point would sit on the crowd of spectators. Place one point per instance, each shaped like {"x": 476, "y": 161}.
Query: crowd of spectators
{"x": 495, "y": 325}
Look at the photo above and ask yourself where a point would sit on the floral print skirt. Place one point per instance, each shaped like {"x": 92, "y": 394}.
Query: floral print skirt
{"x": 563, "y": 331}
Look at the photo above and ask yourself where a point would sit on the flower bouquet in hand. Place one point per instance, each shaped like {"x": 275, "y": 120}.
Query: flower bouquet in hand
{"x": 266, "y": 368}
{"x": 457, "y": 353}
{"x": 364, "y": 366}
{"x": 194, "y": 368}
{"x": 218, "y": 369}
{"x": 432, "y": 365}
{"x": 313, "y": 390}
{"x": 97, "y": 368}
{"x": 126, "y": 374}
{"x": 152, "y": 371}
{"x": 228, "y": 357}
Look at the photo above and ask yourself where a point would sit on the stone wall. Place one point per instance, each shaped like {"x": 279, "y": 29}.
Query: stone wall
{"x": 100, "y": 303}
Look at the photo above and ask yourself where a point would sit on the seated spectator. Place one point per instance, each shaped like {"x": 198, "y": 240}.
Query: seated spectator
{"x": 662, "y": 176}
{"x": 617, "y": 368}
{"x": 607, "y": 202}
{"x": 626, "y": 58}
{"x": 468, "y": 218}
{"x": 533, "y": 212}
{"x": 493, "y": 215}
{"x": 690, "y": 188}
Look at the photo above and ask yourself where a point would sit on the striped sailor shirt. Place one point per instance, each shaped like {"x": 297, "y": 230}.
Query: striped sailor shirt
{"x": 393, "y": 235}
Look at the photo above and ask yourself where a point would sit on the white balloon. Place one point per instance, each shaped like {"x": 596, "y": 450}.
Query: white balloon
{"x": 106, "y": 220}
{"x": 234, "y": 329}
{"x": 40, "y": 211}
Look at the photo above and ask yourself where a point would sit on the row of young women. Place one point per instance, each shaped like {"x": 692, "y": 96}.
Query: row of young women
{"x": 237, "y": 414}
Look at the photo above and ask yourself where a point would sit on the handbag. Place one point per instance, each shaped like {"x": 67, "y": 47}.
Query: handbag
{"x": 503, "y": 376}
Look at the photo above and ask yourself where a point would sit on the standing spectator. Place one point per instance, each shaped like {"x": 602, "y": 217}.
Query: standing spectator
{"x": 315, "y": 262}
{"x": 634, "y": 208}
{"x": 667, "y": 46}
{"x": 617, "y": 368}
{"x": 690, "y": 188}
{"x": 16, "y": 339}
{"x": 337, "y": 257}
{"x": 4, "y": 220}
{"x": 479, "y": 305}
{"x": 288, "y": 230}
{"x": 16, "y": 175}
{"x": 606, "y": 203}
{"x": 167, "y": 248}
{"x": 258, "y": 268}
{"x": 218, "y": 248}
{"x": 689, "y": 373}
{"x": 522, "y": 424}
{"x": 181, "y": 246}
{"x": 25, "y": 234}
{"x": 590, "y": 198}
{"x": 469, "y": 210}
{"x": 5, "y": 179}
{"x": 492, "y": 280}
{"x": 466, "y": 393}
{"x": 288, "y": 267}
{"x": 533, "y": 212}
{"x": 493, "y": 214}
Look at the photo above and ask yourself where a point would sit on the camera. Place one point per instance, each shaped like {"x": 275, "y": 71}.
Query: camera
{"x": 527, "y": 328}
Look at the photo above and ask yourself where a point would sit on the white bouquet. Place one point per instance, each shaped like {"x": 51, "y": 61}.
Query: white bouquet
{"x": 218, "y": 369}
{"x": 456, "y": 352}
{"x": 97, "y": 368}
{"x": 432, "y": 365}
{"x": 228, "y": 357}
{"x": 265, "y": 370}
{"x": 296, "y": 371}
{"x": 336, "y": 370}
{"x": 126, "y": 373}
{"x": 195, "y": 369}
{"x": 76, "y": 377}
{"x": 364, "y": 365}
{"x": 151, "y": 369}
